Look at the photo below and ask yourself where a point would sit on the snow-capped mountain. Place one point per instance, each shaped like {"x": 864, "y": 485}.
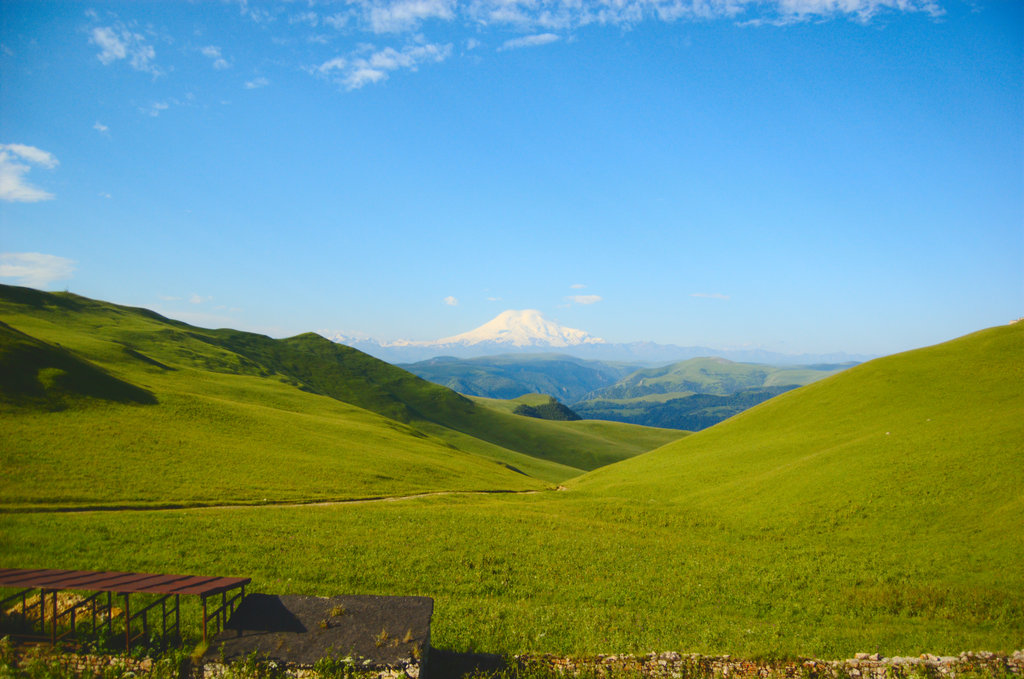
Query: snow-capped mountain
{"x": 525, "y": 328}
{"x": 527, "y": 331}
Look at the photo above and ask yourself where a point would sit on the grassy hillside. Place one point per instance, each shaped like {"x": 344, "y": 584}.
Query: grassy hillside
{"x": 509, "y": 376}
{"x": 717, "y": 376}
{"x": 898, "y": 421}
{"x": 695, "y": 394}
{"x": 692, "y": 412}
{"x": 876, "y": 510}
{"x": 105, "y": 404}
{"x": 591, "y": 443}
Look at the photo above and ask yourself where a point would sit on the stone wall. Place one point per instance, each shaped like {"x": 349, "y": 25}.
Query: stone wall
{"x": 862, "y": 666}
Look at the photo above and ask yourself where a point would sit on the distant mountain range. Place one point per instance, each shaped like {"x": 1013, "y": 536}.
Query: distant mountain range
{"x": 527, "y": 331}
{"x": 691, "y": 394}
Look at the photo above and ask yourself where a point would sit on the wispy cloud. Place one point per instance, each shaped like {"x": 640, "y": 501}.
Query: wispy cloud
{"x": 256, "y": 83}
{"x": 100, "y": 127}
{"x": 311, "y": 19}
{"x": 404, "y": 15}
{"x": 336, "y": 21}
{"x": 35, "y": 269}
{"x": 213, "y": 52}
{"x": 529, "y": 41}
{"x": 119, "y": 42}
{"x": 710, "y": 295}
{"x": 199, "y": 299}
{"x": 368, "y": 65}
{"x": 155, "y": 109}
{"x": 577, "y": 286}
{"x": 563, "y": 15}
{"x": 585, "y": 299}
{"x": 16, "y": 161}
{"x": 451, "y": 301}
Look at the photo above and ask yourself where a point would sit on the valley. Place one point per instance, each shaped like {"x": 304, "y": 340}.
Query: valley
{"x": 877, "y": 508}
{"x": 687, "y": 395}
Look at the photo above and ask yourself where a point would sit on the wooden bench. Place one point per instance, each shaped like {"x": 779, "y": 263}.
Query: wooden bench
{"x": 169, "y": 588}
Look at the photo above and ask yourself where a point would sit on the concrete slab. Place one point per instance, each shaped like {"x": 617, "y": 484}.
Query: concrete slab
{"x": 377, "y": 632}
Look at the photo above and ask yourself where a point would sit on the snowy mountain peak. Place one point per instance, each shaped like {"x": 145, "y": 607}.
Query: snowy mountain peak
{"x": 524, "y": 328}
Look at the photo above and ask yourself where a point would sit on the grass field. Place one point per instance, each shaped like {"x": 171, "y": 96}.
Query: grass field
{"x": 880, "y": 509}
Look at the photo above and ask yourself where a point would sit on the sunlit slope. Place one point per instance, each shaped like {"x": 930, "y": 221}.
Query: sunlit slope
{"x": 585, "y": 444}
{"x": 354, "y": 377}
{"x": 709, "y": 376}
{"x": 105, "y": 405}
{"x": 928, "y": 440}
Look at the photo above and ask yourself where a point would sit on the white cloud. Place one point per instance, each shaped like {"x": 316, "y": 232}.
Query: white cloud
{"x": 710, "y": 295}
{"x": 119, "y": 42}
{"x": 364, "y": 75}
{"x": 213, "y": 52}
{"x": 155, "y": 109}
{"x": 198, "y": 299}
{"x": 451, "y": 301}
{"x": 310, "y": 18}
{"x": 789, "y": 11}
{"x": 585, "y": 299}
{"x": 366, "y": 66}
{"x": 259, "y": 16}
{"x": 100, "y": 127}
{"x": 32, "y": 154}
{"x": 405, "y": 15}
{"x": 256, "y": 83}
{"x": 13, "y": 187}
{"x": 561, "y": 15}
{"x": 529, "y": 41}
{"x": 35, "y": 269}
{"x": 577, "y": 286}
{"x": 336, "y": 21}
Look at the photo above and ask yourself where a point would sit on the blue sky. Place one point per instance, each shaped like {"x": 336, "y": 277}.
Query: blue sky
{"x": 800, "y": 175}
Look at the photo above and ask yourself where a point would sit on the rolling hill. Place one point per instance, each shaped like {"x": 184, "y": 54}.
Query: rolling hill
{"x": 909, "y": 459}
{"x": 879, "y": 509}
{"x": 162, "y": 412}
{"x": 711, "y": 375}
{"x": 696, "y": 393}
{"x": 509, "y": 376}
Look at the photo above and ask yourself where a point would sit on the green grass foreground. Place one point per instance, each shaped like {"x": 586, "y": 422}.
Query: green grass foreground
{"x": 570, "y": 573}
{"x": 881, "y": 509}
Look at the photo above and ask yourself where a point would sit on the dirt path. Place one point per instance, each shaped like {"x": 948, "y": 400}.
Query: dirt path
{"x": 283, "y": 503}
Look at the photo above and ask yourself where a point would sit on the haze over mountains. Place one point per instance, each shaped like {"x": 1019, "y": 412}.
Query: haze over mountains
{"x": 528, "y": 331}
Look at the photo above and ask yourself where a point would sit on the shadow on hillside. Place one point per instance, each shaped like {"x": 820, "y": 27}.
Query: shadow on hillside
{"x": 451, "y": 665}
{"x": 38, "y": 373}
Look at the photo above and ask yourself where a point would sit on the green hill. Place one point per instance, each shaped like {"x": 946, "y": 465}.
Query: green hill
{"x": 951, "y": 410}
{"x": 895, "y": 489}
{"x": 509, "y": 376}
{"x": 38, "y": 374}
{"x": 716, "y": 376}
{"x": 879, "y": 509}
{"x": 105, "y": 404}
{"x": 696, "y": 393}
{"x": 692, "y": 412}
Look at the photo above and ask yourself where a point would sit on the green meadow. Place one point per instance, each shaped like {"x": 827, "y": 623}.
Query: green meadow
{"x": 879, "y": 509}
